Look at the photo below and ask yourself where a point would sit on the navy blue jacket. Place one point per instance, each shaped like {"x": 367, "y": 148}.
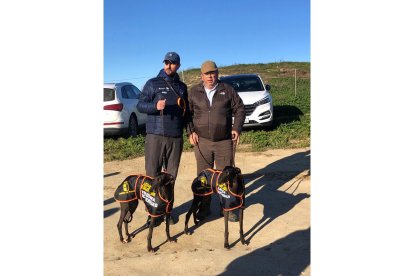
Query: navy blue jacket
{"x": 173, "y": 118}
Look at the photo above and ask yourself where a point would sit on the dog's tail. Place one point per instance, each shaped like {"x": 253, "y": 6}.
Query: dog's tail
{"x": 128, "y": 218}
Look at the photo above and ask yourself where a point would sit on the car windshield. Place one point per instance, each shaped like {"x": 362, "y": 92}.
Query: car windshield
{"x": 109, "y": 94}
{"x": 244, "y": 83}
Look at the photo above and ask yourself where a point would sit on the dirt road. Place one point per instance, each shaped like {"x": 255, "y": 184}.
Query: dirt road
{"x": 276, "y": 224}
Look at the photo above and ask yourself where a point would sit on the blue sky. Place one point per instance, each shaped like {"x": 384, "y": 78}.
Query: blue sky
{"x": 137, "y": 34}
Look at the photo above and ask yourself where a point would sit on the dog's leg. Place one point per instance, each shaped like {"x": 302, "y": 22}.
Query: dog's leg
{"x": 197, "y": 201}
{"x": 149, "y": 237}
{"x": 197, "y": 204}
{"x": 132, "y": 206}
{"x": 226, "y": 229}
{"x": 187, "y": 218}
{"x": 121, "y": 220}
{"x": 167, "y": 228}
{"x": 128, "y": 236}
{"x": 241, "y": 225}
{"x": 192, "y": 211}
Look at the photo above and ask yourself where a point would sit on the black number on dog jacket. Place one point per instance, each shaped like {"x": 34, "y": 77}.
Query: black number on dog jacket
{"x": 207, "y": 183}
{"x": 136, "y": 187}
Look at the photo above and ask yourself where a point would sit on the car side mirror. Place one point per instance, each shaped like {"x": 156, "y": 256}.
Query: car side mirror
{"x": 268, "y": 87}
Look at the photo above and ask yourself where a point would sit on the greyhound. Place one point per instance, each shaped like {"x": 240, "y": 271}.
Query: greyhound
{"x": 158, "y": 195}
{"x": 229, "y": 185}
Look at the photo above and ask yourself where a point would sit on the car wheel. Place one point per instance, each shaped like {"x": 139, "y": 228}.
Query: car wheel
{"x": 133, "y": 126}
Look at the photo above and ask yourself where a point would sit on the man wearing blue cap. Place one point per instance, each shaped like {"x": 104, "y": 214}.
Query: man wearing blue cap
{"x": 164, "y": 99}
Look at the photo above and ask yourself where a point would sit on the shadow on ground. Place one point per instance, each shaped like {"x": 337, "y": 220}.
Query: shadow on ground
{"x": 287, "y": 256}
{"x": 262, "y": 187}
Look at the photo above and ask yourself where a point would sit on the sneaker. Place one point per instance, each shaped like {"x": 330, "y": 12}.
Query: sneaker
{"x": 233, "y": 217}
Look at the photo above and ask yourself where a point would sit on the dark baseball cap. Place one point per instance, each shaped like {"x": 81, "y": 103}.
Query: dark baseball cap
{"x": 173, "y": 57}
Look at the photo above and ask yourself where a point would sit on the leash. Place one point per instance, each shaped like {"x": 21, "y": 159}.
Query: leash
{"x": 210, "y": 164}
{"x": 164, "y": 157}
{"x": 234, "y": 145}
{"x": 241, "y": 175}
{"x": 180, "y": 102}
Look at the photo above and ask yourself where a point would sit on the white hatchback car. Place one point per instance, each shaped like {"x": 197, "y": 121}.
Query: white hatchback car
{"x": 257, "y": 100}
{"x": 121, "y": 115}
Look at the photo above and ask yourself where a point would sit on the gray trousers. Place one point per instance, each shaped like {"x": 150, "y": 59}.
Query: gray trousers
{"x": 208, "y": 152}
{"x": 157, "y": 147}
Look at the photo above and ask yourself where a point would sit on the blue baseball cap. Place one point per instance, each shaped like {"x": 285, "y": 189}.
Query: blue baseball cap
{"x": 173, "y": 57}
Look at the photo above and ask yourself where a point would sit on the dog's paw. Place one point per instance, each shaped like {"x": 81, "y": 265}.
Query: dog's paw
{"x": 150, "y": 249}
{"x": 243, "y": 241}
{"x": 186, "y": 231}
{"x": 126, "y": 240}
{"x": 172, "y": 240}
{"x": 226, "y": 245}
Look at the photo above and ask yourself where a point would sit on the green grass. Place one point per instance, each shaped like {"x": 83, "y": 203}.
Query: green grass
{"x": 121, "y": 148}
{"x": 291, "y": 125}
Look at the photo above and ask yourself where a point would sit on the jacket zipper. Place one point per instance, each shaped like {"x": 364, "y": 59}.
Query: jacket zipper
{"x": 209, "y": 109}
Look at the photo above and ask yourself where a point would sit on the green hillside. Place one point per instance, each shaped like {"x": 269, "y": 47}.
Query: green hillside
{"x": 267, "y": 71}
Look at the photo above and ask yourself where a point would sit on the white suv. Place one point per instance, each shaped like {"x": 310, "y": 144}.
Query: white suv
{"x": 256, "y": 98}
{"x": 121, "y": 115}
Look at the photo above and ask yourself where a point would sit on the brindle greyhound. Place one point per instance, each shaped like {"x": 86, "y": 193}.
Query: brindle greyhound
{"x": 158, "y": 195}
{"x": 229, "y": 185}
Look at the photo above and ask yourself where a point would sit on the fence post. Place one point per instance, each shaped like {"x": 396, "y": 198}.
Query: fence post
{"x": 183, "y": 75}
{"x": 295, "y": 82}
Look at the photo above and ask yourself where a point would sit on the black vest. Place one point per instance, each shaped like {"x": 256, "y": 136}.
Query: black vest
{"x": 136, "y": 187}
{"x": 207, "y": 183}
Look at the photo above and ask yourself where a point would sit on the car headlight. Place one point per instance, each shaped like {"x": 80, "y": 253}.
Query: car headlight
{"x": 265, "y": 100}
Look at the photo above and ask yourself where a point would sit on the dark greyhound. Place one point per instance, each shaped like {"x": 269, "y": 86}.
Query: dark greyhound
{"x": 158, "y": 195}
{"x": 229, "y": 185}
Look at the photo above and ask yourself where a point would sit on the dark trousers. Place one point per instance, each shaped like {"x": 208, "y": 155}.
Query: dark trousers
{"x": 208, "y": 153}
{"x": 156, "y": 148}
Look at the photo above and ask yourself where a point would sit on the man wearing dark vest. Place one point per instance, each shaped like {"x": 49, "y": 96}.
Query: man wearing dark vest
{"x": 165, "y": 100}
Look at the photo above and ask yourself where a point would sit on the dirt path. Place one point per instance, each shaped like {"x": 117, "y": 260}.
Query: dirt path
{"x": 276, "y": 224}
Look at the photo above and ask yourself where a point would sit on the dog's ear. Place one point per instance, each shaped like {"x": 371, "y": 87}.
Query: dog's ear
{"x": 196, "y": 184}
{"x": 166, "y": 179}
{"x": 156, "y": 182}
{"x": 171, "y": 179}
{"x": 238, "y": 171}
{"x": 224, "y": 176}
{"x": 154, "y": 187}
